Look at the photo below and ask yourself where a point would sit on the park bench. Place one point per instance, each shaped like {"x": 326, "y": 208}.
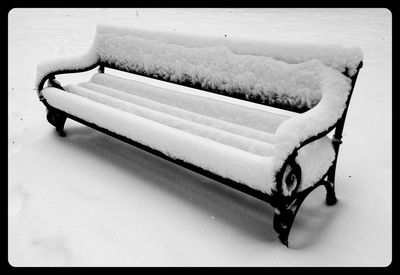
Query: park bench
{"x": 265, "y": 118}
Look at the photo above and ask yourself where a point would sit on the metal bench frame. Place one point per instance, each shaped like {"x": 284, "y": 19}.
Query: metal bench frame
{"x": 286, "y": 207}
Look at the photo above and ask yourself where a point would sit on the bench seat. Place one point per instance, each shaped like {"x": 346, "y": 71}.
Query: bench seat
{"x": 232, "y": 140}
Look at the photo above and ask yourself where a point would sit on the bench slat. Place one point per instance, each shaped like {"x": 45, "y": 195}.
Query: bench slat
{"x": 245, "y": 116}
{"x": 232, "y": 163}
{"x": 227, "y": 138}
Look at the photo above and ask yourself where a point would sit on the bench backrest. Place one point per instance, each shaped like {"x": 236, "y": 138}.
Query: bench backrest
{"x": 283, "y": 75}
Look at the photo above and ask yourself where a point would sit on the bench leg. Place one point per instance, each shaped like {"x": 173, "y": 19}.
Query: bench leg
{"x": 330, "y": 186}
{"x": 281, "y": 225}
{"x": 57, "y": 119}
{"x": 285, "y": 215}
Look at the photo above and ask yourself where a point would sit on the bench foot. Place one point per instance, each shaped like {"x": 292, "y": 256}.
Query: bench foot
{"x": 283, "y": 221}
{"x": 330, "y": 193}
{"x": 282, "y": 224}
{"x": 57, "y": 119}
{"x": 285, "y": 215}
{"x": 329, "y": 183}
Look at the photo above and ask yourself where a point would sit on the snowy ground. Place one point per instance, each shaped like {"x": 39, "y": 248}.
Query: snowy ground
{"x": 90, "y": 200}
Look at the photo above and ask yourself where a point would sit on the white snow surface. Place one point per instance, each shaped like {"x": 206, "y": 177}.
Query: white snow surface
{"x": 109, "y": 38}
{"x": 229, "y": 65}
{"x": 213, "y": 66}
{"x": 200, "y": 127}
{"x": 73, "y": 62}
{"x": 292, "y": 132}
{"x": 206, "y": 107}
{"x": 90, "y": 200}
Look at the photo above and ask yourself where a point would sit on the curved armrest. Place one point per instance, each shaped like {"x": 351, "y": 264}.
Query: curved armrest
{"x": 68, "y": 64}
{"x": 301, "y": 130}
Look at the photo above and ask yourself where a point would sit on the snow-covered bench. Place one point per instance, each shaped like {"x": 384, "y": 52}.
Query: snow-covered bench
{"x": 278, "y": 157}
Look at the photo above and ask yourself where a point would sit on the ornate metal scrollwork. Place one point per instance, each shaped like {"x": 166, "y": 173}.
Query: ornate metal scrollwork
{"x": 291, "y": 178}
{"x": 290, "y": 203}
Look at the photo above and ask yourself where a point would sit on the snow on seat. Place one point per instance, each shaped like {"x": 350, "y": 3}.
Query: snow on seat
{"x": 227, "y": 161}
{"x": 228, "y": 125}
{"x": 252, "y": 169}
{"x": 195, "y": 103}
{"x": 197, "y": 128}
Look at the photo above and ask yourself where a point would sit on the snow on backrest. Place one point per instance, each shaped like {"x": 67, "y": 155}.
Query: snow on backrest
{"x": 277, "y": 74}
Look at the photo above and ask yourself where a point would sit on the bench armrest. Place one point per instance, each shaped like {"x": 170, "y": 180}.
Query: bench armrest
{"x": 61, "y": 65}
{"x": 307, "y": 127}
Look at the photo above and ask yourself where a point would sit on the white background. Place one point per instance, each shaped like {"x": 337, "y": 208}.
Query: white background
{"x": 89, "y": 199}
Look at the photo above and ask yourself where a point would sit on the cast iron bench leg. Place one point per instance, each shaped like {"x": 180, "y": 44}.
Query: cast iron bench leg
{"x": 57, "y": 119}
{"x": 330, "y": 187}
{"x": 285, "y": 215}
